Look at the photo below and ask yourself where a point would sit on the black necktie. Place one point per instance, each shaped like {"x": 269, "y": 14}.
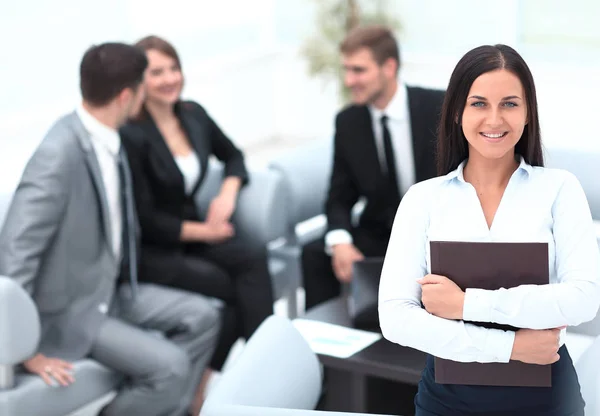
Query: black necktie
{"x": 128, "y": 237}
{"x": 390, "y": 160}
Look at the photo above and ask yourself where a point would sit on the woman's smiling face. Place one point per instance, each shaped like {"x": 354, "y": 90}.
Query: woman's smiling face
{"x": 495, "y": 115}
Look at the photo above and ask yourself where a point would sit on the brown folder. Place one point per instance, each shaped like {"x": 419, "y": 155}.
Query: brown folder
{"x": 491, "y": 266}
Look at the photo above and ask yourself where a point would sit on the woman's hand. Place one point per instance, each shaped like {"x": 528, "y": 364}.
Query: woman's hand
{"x": 442, "y": 297}
{"x": 50, "y": 369}
{"x": 221, "y": 209}
{"x": 217, "y": 232}
{"x": 537, "y": 346}
{"x": 207, "y": 232}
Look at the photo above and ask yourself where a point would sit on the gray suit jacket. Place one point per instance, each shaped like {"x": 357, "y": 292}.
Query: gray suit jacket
{"x": 56, "y": 240}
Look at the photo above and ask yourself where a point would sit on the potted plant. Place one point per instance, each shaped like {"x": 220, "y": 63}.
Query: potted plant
{"x": 335, "y": 18}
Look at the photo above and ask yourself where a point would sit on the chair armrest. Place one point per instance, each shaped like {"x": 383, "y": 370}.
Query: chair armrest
{"x": 311, "y": 229}
{"x": 277, "y": 374}
{"x": 285, "y": 252}
{"x": 276, "y": 369}
{"x": 591, "y": 328}
{"x": 19, "y": 328}
{"x": 316, "y": 227}
{"x": 261, "y": 212}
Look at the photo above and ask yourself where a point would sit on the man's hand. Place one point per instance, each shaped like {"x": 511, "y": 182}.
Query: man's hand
{"x": 342, "y": 259}
{"x": 50, "y": 369}
{"x": 442, "y": 297}
{"x": 536, "y": 346}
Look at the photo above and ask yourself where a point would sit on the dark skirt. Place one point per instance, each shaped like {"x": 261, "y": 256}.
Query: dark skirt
{"x": 562, "y": 399}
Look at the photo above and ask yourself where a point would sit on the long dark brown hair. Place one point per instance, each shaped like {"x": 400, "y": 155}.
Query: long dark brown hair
{"x": 452, "y": 147}
{"x": 154, "y": 42}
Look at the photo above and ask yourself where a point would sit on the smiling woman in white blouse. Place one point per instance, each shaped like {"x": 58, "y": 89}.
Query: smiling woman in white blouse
{"x": 492, "y": 188}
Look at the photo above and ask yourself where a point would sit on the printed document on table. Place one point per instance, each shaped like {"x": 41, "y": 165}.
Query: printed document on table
{"x": 334, "y": 340}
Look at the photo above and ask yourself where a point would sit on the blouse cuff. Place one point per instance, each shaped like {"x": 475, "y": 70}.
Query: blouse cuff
{"x": 500, "y": 343}
{"x": 478, "y": 306}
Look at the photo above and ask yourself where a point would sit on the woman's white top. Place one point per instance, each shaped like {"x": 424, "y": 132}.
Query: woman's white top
{"x": 189, "y": 166}
{"x": 538, "y": 205}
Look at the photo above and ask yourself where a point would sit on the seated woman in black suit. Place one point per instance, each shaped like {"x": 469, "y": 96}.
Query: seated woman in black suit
{"x": 169, "y": 145}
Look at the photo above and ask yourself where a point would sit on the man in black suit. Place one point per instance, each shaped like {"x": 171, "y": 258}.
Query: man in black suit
{"x": 384, "y": 143}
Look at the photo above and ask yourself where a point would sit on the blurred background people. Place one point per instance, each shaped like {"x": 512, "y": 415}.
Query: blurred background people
{"x": 70, "y": 239}
{"x": 384, "y": 142}
{"x": 169, "y": 145}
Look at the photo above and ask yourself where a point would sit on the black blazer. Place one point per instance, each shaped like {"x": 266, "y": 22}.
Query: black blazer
{"x": 356, "y": 168}
{"x": 160, "y": 196}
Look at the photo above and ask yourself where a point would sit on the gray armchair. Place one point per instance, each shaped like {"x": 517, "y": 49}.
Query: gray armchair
{"x": 20, "y": 326}
{"x": 305, "y": 171}
{"x": 261, "y": 216}
{"x": 27, "y": 394}
{"x": 584, "y": 164}
{"x": 583, "y": 343}
{"x": 583, "y": 340}
{"x": 589, "y": 377}
{"x": 5, "y": 198}
{"x": 277, "y": 374}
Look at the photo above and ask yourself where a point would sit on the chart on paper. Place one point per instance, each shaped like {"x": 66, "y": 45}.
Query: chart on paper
{"x": 334, "y": 340}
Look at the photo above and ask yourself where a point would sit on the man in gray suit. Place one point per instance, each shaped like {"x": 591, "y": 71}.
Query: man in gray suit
{"x": 68, "y": 238}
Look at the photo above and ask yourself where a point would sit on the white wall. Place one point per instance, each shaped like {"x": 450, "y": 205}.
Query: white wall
{"x": 241, "y": 61}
